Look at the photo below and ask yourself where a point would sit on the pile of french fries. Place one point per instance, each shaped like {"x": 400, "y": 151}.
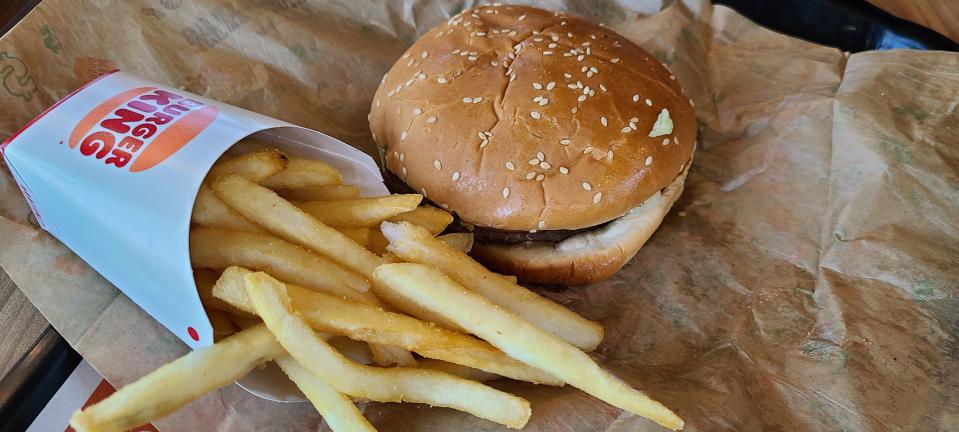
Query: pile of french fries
{"x": 288, "y": 259}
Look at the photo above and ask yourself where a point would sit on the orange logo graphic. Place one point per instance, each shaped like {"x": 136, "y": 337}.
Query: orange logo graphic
{"x": 144, "y": 125}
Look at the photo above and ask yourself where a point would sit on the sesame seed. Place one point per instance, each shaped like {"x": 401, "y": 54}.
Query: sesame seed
{"x": 676, "y": 140}
{"x": 441, "y": 80}
{"x": 444, "y": 205}
{"x": 488, "y": 133}
{"x": 552, "y": 45}
{"x": 588, "y": 150}
{"x": 593, "y": 68}
{"x": 477, "y": 100}
{"x": 635, "y": 98}
{"x": 521, "y": 17}
{"x": 402, "y": 157}
{"x": 456, "y": 51}
{"x": 534, "y": 161}
{"x": 597, "y": 198}
{"x": 403, "y": 135}
{"x": 431, "y": 120}
{"x": 540, "y": 155}
{"x": 456, "y": 176}
{"x": 437, "y": 164}
{"x": 603, "y": 121}
{"x": 509, "y": 71}
{"x": 554, "y": 38}
{"x": 541, "y": 224}
{"x": 572, "y": 86}
{"x": 467, "y": 100}
{"x": 406, "y": 55}
{"x": 546, "y": 53}
{"x": 550, "y": 85}
{"x": 530, "y": 175}
{"x": 540, "y": 177}
{"x": 510, "y": 166}
{"x": 483, "y": 144}
{"x": 543, "y": 101}
{"x": 609, "y": 154}
{"x": 580, "y": 57}
{"x": 404, "y": 171}
{"x": 587, "y": 186}
{"x": 512, "y": 77}
{"x": 481, "y": 135}
{"x": 682, "y": 214}
{"x": 535, "y": 115}
{"x": 649, "y": 102}
{"x": 589, "y": 74}
{"x": 586, "y": 90}
{"x": 614, "y": 60}
{"x": 632, "y": 125}
{"x": 511, "y": 33}
{"x": 410, "y": 63}
{"x": 377, "y": 103}
{"x": 649, "y": 160}
{"x": 417, "y": 111}
{"x": 537, "y": 39}
{"x": 574, "y": 110}
{"x": 569, "y": 34}
{"x": 566, "y": 54}
{"x": 537, "y": 86}
{"x": 425, "y": 54}
{"x": 579, "y": 84}
{"x": 565, "y": 141}
{"x": 625, "y": 129}
{"x": 672, "y": 77}
{"x": 592, "y": 92}
{"x": 421, "y": 76}
{"x": 505, "y": 192}
{"x": 666, "y": 141}
{"x": 634, "y": 120}
{"x": 564, "y": 170}
{"x": 581, "y": 98}
{"x": 588, "y": 51}
{"x": 602, "y": 87}
{"x": 562, "y": 23}
{"x": 568, "y": 76}
{"x": 545, "y": 165}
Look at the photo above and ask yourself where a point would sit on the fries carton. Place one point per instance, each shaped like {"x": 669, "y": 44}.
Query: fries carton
{"x": 112, "y": 171}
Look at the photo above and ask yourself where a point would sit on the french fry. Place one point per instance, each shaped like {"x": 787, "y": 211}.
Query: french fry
{"x": 462, "y": 242}
{"x": 360, "y": 212}
{"x": 222, "y": 326}
{"x": 209, "y": 211}
{"x": 254, "y": 166}
{"x": 415, "y": 244}
{"x": 461, "y": 371}
{"x": 360, "y": 235}
{"x": 178, "y": 383}
{"x": 220, "y": 249}
{"x": 245, "y": 321}
{"x": 338, "y": 410}
{"x": 431, "y": 218}
{"x": 517, "y": 337}
{"x": 304, "y": 173}
{"x": 205, "y": 279}
{"x": 332, "y": 315}
{"x": 281, "y": 217}
{"x": 230, "y": 288}
{"x": 380, "y": 384}
{"x": 320, "y": 193}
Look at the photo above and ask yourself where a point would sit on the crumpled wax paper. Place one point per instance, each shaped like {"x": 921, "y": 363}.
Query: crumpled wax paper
{"x": 805, "y": 281}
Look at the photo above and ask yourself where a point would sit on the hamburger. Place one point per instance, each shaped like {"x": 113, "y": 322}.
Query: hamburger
{"x": 558, "y": 143}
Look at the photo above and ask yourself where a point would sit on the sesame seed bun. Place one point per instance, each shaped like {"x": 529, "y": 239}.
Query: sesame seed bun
{"x": 522, "y": 119}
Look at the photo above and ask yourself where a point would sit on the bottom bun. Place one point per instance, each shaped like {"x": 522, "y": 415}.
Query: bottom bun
{"x": 588, "y": 257}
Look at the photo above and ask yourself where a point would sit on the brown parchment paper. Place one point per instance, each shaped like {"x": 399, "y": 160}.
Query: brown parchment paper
{"x": 805, "y": 281}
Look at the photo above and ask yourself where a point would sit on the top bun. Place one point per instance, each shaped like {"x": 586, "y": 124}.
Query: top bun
{"x": 517, "y": 118}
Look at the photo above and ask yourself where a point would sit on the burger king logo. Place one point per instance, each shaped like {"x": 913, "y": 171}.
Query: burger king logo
{"x": 140, "y": 128}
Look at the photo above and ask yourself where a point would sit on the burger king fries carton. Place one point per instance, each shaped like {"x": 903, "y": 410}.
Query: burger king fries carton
{"x": 112, "y": 171}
